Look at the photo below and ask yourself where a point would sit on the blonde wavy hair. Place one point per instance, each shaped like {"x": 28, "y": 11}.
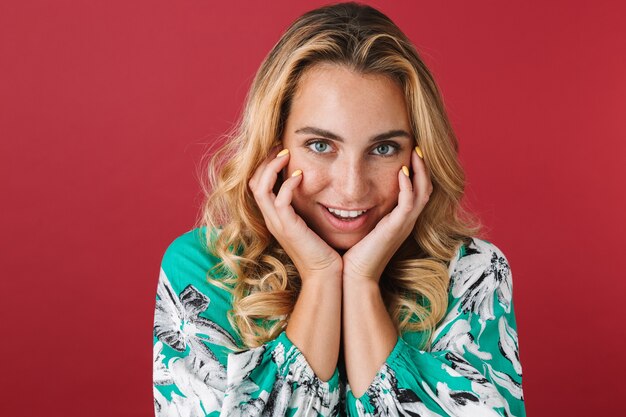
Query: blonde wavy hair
{"x": 253, "y": 267}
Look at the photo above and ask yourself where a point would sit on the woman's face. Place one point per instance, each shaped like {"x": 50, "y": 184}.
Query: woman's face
{"x": 350, "y": 135}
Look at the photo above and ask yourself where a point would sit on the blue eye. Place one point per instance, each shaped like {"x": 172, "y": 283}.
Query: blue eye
{"x": 385, "y": 149}
{"x": 318, "y": 146}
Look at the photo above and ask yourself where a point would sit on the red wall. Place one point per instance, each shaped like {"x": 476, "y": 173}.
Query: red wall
{"x": 107, "y": 106}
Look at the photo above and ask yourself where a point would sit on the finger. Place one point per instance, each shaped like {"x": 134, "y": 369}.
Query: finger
{"x": 285, "y": 194}
{"x": 282, "y": 203}
{"x": 269, "y": 175}
{"x": 259, "y": 170}
{"x": 263, "y": 191}
{"x": 406, "y": 197}
{"x": 422, "y": 183}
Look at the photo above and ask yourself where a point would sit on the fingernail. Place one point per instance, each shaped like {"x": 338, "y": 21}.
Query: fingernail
{"x": 405, "y": 170}
{"x": 296, "y": 173}
{"x": 283, "y": 152}
{"x": 419, "y": 152}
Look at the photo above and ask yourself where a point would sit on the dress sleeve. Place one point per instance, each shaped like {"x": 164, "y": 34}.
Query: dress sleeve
{"x": 276, "y": 380}
{"x": 473, "y": 367}
{"x": 198, "y": 369}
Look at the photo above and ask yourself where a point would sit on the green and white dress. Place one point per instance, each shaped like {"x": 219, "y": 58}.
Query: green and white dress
{"x": 472, "y": 368}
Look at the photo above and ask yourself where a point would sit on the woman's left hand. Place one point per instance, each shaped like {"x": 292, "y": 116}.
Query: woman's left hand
{"x": 368, "y": 258}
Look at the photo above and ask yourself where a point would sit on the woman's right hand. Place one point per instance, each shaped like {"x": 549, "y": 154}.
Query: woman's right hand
{"x": 311, "y": 255}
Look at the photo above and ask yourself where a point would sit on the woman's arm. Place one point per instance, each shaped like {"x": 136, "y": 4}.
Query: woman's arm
{"x": 196, "y": 370}
{"x": 473, "y": 366}
{"x": 315, "y": 324}
{"x": 368, "y": 332}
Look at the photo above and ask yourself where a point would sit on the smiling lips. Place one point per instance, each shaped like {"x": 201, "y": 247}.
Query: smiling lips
{"x": 346, "y": 220}
{"x": 345, "y": 214}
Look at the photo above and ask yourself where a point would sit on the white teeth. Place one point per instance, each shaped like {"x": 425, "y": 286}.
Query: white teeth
{"x": 346, "y": 213}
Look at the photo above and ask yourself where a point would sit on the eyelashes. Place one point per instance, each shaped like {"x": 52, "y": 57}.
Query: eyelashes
{"x": 314, "y": 146}
{"x": 322, "y": 147}
{"x": 391, "y": 149}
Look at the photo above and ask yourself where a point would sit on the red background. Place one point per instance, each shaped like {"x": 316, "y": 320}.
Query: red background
{"x": 107, "y": 107}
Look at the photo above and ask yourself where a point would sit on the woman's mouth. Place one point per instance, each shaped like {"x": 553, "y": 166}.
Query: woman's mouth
{"x": 345, "y": 214}
{"x": 346, "y": 220}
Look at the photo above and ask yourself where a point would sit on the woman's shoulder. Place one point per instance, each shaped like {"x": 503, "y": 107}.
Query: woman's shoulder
{"x": 479, "y": 271}
{"x": 184, "y": 290}
{"x": 476, "y": 252}
{"x": 187, "y": 259}
{"x": 189, "y": 248}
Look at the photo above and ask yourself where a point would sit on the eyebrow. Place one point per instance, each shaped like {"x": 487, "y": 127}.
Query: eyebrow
{"x": 330, "y": 135}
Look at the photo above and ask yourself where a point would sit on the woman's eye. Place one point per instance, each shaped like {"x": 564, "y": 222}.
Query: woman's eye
{"x": 319, "y": 147}
{"x": 385, "y": 149}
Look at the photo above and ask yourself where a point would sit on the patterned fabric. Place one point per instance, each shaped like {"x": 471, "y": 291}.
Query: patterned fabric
{"x": 472, "y": 368}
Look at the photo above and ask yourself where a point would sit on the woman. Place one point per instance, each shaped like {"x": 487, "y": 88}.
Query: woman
{"x": 334, "y": 271}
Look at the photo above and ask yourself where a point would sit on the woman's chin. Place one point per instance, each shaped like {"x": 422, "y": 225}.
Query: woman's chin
{"x": 342, "y": 243}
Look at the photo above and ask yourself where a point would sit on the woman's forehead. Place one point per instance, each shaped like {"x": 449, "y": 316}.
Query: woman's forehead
{"x": 341, "y": 99}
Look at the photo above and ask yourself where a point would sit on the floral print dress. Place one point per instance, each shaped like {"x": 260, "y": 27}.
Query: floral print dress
{"x": 472, "y": 368}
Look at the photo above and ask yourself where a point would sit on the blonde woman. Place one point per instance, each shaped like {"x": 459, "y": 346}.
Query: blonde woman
{"x": 334, "y": 271}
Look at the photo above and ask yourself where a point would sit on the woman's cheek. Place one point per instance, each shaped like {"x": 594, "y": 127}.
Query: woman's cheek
{"x": 389, "y": 185}
{"x": 314, "y": 178}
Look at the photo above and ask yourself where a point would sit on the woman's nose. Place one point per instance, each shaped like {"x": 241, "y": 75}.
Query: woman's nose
{"x": 352, "y": 182}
